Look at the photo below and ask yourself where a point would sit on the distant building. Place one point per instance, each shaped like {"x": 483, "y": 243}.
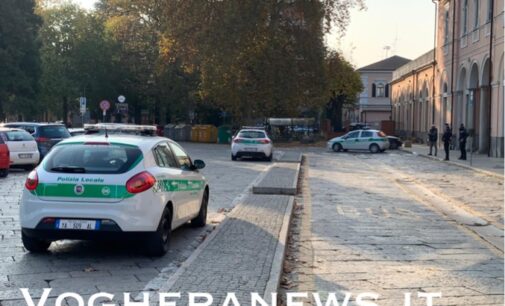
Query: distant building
{"x": 461, "y": 80}
{"x": 374, "y": 102}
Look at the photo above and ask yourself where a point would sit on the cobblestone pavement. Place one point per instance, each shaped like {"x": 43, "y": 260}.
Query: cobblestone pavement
{"x": 86, "y": 267}
{"x": 359, "y": 231}
{"x": 240, "y": 256}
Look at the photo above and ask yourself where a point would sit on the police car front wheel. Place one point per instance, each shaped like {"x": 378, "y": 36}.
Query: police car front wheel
{"x": 159, "y": 242}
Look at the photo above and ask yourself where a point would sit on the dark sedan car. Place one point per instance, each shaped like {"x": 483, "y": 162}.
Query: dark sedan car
{"x": 46, "y": 134}
{"x": 394, "y": 142}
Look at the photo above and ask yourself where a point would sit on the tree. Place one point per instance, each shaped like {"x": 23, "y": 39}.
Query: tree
{"x": 255, "y": 58}
{"x": 344, "y": 84}
{"x": 76, "y": 59}
{"x": 19, "y": 57}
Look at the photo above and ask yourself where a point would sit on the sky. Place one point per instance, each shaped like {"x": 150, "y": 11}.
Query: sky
{"x": 405, "y": 26}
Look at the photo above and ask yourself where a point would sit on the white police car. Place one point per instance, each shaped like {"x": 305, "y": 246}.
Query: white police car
{"x": 251, "y": 143}
{"x": 373, "y": 140}
{"x": 120, "y": 186}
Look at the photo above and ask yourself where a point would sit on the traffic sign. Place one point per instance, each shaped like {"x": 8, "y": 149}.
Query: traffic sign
{"x": 121, "y": 99}
{"x": 82, "y": 105}
{"x": 104, "y": 105}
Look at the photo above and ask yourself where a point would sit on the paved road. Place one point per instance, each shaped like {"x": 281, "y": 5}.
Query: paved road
{"x": 365, "y": 228}
{"x": 86, "y": 267}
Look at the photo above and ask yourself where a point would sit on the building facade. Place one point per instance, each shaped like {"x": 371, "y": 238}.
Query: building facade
{"x": 466, "y": 84}
{"x": 374, "y": 101}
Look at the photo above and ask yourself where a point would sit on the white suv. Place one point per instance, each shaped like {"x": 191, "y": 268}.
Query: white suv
{"x": 251, "y": 143}
{"x": 120, "y": 186}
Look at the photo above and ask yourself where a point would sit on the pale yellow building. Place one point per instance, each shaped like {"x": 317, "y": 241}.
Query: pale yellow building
{"x": 468, "y": 83}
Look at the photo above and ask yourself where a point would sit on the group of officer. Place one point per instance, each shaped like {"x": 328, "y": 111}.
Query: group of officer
{"x": 446, "y": 138}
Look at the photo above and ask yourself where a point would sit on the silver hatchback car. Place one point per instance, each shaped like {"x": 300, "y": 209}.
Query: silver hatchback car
{"x": 373, "y": 140}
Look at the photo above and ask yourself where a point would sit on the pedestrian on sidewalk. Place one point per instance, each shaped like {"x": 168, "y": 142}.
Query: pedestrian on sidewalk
{"x": 433, "y": 137}
{"x": 446, "y": 138}
{"x": 463, "y": 135}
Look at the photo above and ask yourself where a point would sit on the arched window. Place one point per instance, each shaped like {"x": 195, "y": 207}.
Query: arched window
{"x": 476, "y": 14}
{"x": 489, "y": 10}
{"x": 446, "y": 27}
{"x": 464, "y": 18}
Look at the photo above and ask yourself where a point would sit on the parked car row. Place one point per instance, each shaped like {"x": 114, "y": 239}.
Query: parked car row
{"x": 26, "y": 143}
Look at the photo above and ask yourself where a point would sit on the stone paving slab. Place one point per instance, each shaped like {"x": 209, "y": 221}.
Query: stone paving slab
{"x": 476, "y": 162}
{"x": 242, "y": 254}
{"x": 282, "y": 178}
{"x": 290, "y": 157}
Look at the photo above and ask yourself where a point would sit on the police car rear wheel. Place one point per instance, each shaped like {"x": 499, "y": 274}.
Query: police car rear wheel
{"x": 34, "y": 245}
{"x": 158, "y": 243}
{"x": 201, "y": 219}
{"x": 374, "y": 148}
{"x": 4, "y": 172}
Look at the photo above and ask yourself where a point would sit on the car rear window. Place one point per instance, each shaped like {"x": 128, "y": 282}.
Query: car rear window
{"x": 251, "y": 134}
{"x": 91, "y": 158}
{"x": 17, "y": 136}
{"x": 54, "y": 131}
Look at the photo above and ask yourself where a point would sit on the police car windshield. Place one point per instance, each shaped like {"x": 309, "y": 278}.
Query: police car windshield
{"x": 93, "y": 159}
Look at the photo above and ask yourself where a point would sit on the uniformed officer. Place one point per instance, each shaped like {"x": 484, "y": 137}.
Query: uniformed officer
{"x": 446, "y": 138}
{"x": 463, "y": 135}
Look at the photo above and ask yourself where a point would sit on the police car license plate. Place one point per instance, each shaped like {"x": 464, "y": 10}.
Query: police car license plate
{"x": 25, "y": 156}
{"x": 89, "y": 225}
{"x": 251, "y": 149}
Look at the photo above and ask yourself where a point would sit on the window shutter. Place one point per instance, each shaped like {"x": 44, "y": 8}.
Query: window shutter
{"x": 387, "y": 91}
{"x": 373, "y": 90}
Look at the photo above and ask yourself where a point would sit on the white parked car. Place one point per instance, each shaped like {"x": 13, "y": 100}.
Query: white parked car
{"x": 252, "y": 143}
{"x": 115, "y": 187}
{"x": 372, "y": 140}
{"x": 22, "y": 147}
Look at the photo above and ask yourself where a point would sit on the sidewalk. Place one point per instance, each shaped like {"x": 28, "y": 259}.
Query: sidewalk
{"x": 478, "y": 162}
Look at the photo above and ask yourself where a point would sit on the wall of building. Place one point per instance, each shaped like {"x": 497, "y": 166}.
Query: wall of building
{"x": 412, "y": 98}
{"x": 374, "y": 109}
{"x": 465, "y": 90}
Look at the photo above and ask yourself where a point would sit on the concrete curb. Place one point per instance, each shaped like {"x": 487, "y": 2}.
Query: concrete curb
{"x": 280, "y": 252}
{"x": 490, "y": 173}
{"x": 291, "y": 190}
{"x": 290, "y": 157}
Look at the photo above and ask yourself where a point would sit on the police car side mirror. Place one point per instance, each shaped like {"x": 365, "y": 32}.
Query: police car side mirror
{"x": 198, "y": 164}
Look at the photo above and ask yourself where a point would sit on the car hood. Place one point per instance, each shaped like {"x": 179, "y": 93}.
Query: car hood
{"x": 335, "y": 139}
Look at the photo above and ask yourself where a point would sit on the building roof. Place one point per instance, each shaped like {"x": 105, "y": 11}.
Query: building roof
{"x": 389, "y": 64}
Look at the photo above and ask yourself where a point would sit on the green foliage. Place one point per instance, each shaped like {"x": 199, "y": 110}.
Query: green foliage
{"x": 77, "y": 59}
{"x": 251, "y": 59}
{"x": 19, "y": 57}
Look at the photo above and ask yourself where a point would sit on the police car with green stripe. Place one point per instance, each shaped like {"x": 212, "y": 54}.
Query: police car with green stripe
{"x": 371, "y": 140}
{"x": 113, "y": 186}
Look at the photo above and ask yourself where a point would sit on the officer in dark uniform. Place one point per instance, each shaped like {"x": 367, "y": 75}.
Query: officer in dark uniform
{"x": 446, "y": 138}
{"x": 463, "y": 135}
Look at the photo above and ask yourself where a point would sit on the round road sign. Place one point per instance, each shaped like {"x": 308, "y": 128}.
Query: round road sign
{"x": 121, "y": 99}
{"x": 104, "y": 105}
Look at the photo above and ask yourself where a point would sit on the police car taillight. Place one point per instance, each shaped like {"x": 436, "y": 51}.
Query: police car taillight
{"x": 140, "y": 182}
{"x": 32, "y": 181}
{"x": 265, "y": 141}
